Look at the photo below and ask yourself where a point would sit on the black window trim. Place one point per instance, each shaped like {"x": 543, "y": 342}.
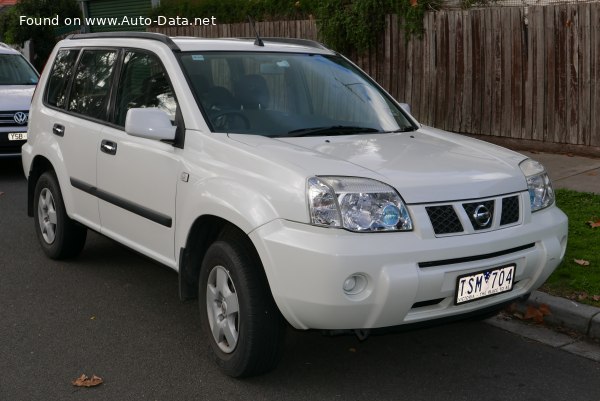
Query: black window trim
{"x": 109, "y": 121}
{"x": 68, "y": 87}
{"x": 81, "y": 49}
{"x": 179, "y": 122}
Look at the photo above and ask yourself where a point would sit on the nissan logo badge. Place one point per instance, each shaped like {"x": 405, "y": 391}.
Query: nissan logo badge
{"x": 482, "y": 216}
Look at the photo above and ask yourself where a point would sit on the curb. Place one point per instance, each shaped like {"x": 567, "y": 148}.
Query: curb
{"x": 584, "y": 319}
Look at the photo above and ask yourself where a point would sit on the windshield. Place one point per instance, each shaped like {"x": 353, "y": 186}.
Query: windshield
{"x": 289, "y": 94}
{"x": 15, "y": 70}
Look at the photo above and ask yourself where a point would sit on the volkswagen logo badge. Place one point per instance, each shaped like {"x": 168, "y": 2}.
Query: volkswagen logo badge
{"x": 482, "y": 216}
{"x": 20, "y": 117}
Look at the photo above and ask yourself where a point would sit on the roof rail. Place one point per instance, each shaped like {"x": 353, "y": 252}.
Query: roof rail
{"x": 294, "y": 41}
{"x": 132, "y": 35}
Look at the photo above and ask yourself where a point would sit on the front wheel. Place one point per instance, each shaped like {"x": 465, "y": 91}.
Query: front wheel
{"x": 237, "y": 311}
{"x": 59, "y": 236}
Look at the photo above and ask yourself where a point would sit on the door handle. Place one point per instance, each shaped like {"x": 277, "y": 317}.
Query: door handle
{"x": 58, "y": 129}
{"x": 108, "y": 147}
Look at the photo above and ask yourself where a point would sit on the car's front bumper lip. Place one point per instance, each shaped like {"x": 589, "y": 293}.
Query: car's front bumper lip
{"x": 11, "y": 148}
{"x": 306, "y": 267}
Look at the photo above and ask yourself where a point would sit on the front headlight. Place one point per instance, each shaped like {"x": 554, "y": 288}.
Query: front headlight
{"x": 356, "y": 204}
{"x": 541, "y": 194}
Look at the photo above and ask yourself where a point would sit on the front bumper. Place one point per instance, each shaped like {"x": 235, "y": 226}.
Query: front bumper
{"x": 306, "y": 267}
{"x": 8, "y": 147}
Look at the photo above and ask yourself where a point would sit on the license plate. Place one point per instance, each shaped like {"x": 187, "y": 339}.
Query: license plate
{"x": 487, "y": 283}
{"x": 17, "y": 136}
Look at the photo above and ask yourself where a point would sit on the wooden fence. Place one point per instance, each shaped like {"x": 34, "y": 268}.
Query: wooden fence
{"x": 516, "y": 73}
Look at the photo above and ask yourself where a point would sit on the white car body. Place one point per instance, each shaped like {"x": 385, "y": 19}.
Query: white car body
{"x": 259, "y": 185}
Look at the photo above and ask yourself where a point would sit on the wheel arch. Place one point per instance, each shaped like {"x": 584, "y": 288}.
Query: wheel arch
{"x": 39, "y": 166}
{"x": 205, "y": 230}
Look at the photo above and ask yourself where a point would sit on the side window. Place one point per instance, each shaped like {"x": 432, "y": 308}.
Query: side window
{"x": 143, "y": 83}
{"x": 62, "y": 70}
{"x": 91, "y": 85}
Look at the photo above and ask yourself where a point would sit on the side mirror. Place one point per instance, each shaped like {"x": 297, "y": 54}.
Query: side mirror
{"x": 405, "y": 107}
{"x": 151, "y": 123}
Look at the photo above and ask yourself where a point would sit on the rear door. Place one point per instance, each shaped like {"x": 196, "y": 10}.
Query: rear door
{"x": 76, "y": 114}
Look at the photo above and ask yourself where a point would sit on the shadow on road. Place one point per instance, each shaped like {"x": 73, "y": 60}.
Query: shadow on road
{"x": 11, "y": 169}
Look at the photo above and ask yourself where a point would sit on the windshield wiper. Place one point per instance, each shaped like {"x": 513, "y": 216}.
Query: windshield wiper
{"x": 332, "y": 130}
{"x": 405, "y": 129}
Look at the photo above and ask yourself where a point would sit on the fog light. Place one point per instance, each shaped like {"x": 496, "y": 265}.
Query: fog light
{"x": 349, "y": 284}
{"x": 355, "y": 284}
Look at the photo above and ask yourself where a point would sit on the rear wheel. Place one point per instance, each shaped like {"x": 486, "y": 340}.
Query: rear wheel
{"x": 59, "y": 236}
{"x": 238, "y": 314}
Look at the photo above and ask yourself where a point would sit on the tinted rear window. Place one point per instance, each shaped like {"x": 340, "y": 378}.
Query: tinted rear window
{"x": 62, "y": 70}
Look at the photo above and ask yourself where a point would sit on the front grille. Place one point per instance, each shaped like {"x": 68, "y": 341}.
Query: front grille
{"x": 7, "y": 118}
{"x": 481, "y": 214}
{"x": 444, "y": 219}
{"x": 510, "y": 210}
{"x": 474, "y": 258}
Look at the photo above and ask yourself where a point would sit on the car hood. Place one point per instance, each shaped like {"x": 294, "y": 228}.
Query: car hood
{"x": 426, "y": 165}
{"x": 16, "y": 97}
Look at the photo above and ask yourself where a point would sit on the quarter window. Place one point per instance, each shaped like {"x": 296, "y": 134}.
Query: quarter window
{"x": 91, "y": 86}
{"x": 143, "y": 84}
{"x": 62, "y": 70}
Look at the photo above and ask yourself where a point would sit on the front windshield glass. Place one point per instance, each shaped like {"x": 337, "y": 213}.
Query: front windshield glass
{"x": 289, "y": 94}
{"x": 14, "y": 70}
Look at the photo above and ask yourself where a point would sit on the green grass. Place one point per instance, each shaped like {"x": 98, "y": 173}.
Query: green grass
{"x": 571, "y": 280}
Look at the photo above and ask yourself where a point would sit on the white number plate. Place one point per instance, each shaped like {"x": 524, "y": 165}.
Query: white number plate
{"x": 17, "y": 136}
{"x": 487, "y": 283}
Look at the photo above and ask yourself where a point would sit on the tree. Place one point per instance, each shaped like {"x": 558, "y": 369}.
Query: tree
{"x": 42, "y": 36}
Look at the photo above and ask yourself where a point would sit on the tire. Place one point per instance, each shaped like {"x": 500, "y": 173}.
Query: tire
{"x": 59, "y": 236}
{"x": 237, "y": 311}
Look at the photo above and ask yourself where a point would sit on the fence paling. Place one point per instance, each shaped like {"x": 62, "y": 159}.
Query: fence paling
{"x": 524, "y": 73}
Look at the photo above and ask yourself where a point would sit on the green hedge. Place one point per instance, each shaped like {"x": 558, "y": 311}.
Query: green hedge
{"x": 343, "y": 24}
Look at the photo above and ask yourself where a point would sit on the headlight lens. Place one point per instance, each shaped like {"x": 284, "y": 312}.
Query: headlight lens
{"x": 541, "y": 194}
{"x": 356, "y": 204}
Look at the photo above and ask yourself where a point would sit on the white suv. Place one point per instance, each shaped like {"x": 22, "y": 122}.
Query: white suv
{"x": 18, "y": 79}
{"x": 283, "y": 184}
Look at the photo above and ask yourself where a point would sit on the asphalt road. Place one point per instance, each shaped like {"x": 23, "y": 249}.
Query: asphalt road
{"x": 116, "y": 314}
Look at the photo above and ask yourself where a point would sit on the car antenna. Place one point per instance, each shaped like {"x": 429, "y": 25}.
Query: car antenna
{"x": 258, "y": 41}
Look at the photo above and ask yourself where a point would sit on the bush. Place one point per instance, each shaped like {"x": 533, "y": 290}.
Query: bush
{"x": 344, "y": 25}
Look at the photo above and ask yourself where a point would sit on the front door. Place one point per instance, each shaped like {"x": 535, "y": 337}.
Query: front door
{"x": 137, "y": 177}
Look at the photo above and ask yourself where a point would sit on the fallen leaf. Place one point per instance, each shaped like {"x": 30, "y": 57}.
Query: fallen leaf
{"x": 581, "y": 262}
{"x": 534, "y": 314}
{"x": 596, "y": 298}
{"x": 545, "y": 309}
{"x": 582, "y": 296}
{"x": 594, "y": 224}
{"x": 413, "y": 3}
{"x": 592, "y": 173}
{"x": 1, "y": 193}
{"x": 570, "y": 155}
{"x": 84, "y": 381}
